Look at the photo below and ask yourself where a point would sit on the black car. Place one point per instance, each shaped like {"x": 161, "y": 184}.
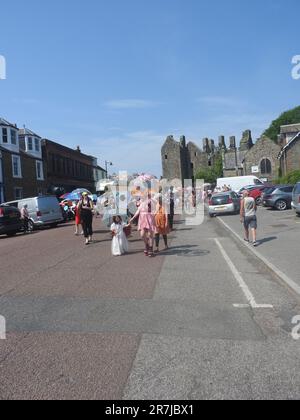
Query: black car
{"x": 10, "y": 220}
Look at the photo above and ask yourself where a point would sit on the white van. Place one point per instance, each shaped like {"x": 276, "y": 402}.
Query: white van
{"x": 238, "y": 182}
{"x": 43, "y": 211}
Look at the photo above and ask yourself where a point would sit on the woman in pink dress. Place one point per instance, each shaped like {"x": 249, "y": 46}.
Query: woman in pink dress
{"x": 146, "y": 226}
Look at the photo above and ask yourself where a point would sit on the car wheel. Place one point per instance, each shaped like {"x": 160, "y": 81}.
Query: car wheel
{"x": 259, "y": 201}
{"x": 281, "y": 205}
{"x": 30, "y": 226}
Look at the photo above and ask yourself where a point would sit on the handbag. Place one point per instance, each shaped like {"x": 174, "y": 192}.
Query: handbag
{"x": 127, "y": 231}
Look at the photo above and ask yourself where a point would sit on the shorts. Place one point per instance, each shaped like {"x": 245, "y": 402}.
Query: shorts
{"x": 250, "y": 222}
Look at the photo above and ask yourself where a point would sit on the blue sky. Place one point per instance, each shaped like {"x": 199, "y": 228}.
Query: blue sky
{"x": 116, "y": 77}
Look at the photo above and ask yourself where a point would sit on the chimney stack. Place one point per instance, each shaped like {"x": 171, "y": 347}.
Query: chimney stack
{"x": 232, "y": 143}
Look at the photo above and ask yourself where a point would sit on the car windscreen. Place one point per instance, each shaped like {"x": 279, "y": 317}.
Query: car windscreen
{"x": 220, "y": 199}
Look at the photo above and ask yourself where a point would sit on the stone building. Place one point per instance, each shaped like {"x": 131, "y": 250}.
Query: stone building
{"x": 233, "y": 158}
{"x": 262, "y": 159}
{"x": 21, "y": 172}
{"x": 289, "y": 156}
{"x": 182, "y": 161}
{"x": 265, "y": 159}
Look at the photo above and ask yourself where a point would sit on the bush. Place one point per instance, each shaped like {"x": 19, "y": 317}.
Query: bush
{"x": 291, "y": 178}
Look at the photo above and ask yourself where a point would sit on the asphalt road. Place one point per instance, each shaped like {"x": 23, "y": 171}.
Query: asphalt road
{"x": 204, "y": 320}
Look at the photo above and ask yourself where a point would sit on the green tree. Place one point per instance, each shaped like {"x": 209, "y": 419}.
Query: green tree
{"x": 210, "y": 175}
{"x": 289, "y": 117}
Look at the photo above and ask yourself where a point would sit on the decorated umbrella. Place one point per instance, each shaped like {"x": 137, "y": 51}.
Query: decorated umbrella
{"x": 81, "y": 191}
{"x": 71, "y": 197}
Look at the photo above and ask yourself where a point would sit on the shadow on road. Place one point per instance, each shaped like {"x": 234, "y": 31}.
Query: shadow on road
{"x": 265, "y": 240}
{"x": 185, "y": 251}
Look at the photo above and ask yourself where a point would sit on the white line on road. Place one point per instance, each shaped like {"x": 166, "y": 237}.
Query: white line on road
{"x": 289, "y": 282}
{"x": 249, "y": 296}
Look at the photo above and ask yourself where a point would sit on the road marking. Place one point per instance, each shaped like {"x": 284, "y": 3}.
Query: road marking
{"x": 249, "y": 296}
{"x": 288, "y": 281}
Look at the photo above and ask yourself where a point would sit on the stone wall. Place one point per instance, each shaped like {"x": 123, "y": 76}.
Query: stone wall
{"x": 293, "y": 157}
{"x": 264, "y": 148}
{"x": 171, "y": 159}
{"x": 198, "y": 158}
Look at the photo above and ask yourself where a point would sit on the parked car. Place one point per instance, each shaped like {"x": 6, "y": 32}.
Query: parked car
{"x": 10, "y": 220}
{"x": 296, "y": 199}
{"x": 224, "y": 203}
{"x": 256, "y": 192}
{"x": 43, "y": 211}
{"x": 279, "y": 197}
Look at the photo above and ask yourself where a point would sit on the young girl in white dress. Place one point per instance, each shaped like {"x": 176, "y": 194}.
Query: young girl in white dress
{"x": 119, "y": 243}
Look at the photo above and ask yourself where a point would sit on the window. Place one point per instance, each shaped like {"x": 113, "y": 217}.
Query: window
{"x": 39, "y": 171}
{"x": 29, "y": 144}
{"x": 16, "y": 164}
{"x": 4, "y": 135}
{"x": 37, "y": 145}
{"x": 166, "y": 157}
{"x": 18, "y": 194}
{"x": 287, "y": 189}
{"x": 13, "y": 135}
{"x": 265, "y": 167}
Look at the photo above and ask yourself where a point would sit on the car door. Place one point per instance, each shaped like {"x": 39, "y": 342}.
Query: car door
{"x": 288, "y": 194}
{"x": 237, "y": 201}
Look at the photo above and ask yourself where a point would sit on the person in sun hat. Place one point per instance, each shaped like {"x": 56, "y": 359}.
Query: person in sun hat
{"x": 86, "y": 209}
{"x": 146, "y": 224}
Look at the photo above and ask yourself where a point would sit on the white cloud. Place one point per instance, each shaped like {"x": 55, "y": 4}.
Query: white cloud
{"x": 130, "y": 104}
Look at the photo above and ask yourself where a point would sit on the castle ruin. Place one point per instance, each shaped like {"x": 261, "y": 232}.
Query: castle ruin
{"x": 182, "y": 160}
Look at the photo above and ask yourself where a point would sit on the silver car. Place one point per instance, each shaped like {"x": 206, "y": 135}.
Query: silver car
{"x": 224, "y": 203}
{"x": 296, "y": 199}
{"x": 43, "y": 211}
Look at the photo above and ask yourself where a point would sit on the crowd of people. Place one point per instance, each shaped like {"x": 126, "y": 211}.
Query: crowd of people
{"x": 153, "y": 214}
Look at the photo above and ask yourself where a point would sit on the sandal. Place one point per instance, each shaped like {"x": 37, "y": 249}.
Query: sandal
{"x": 151, "y": 254}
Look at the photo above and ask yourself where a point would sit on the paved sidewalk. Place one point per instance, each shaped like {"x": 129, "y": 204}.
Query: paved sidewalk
{"x": 278, "y": 237}
{"x": 84, "y": 325}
